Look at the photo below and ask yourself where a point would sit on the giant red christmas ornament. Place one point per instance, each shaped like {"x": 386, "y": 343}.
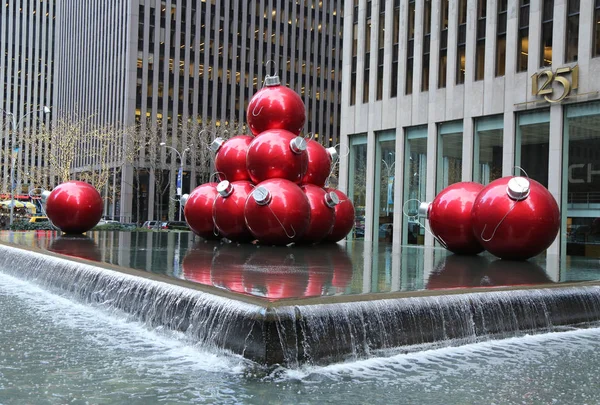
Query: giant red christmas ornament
{"x": 198, "y": 210}
{"x": 449, "y": 217}
{"x": 515, "y": 218}
{"x": 228, "y": 210}
{"x": 277, "y": 212}
{"x": 74, "y": 207}
{"x": 344, "y": 217}
{"x": 319, "y": 163}
{"x": 230, "y": 159}
{"x": 277, "y": 153}
{"x": 322, "y": 213}
{"x": 276, "y": 107}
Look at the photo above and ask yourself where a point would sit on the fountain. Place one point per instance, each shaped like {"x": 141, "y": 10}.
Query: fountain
{"x": 306, "y": 305}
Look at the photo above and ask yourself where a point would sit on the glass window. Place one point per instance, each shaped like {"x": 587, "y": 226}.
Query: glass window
{"x": 443, "y": 44}
{"x": 395, "y": 41}
{"x": 354, "y": 56}
{"x": 449, "y": 163}
{"x": 415, "y": 180}
{"x": 501, "y": 38}
{"x": 487, "y": 151}
{"x": 357, "y": 184}
{"x": 480, "y": 46}
{"x": 546, "y": 49}
{"x": 381, "y": 42}
{"x": 581, "y": 181}
{"x": 596, "y": 49}
{"x": 367, "y": 54}
{"x": 572, "y": 31}
{"x": 461, "y": 43}
{"x": 532, "y": 143}
{"x": 410, "y": 51}
{"x": 426, "y": 44}
{"x": 523, "y": 42}
{"x": 385, "y": 164}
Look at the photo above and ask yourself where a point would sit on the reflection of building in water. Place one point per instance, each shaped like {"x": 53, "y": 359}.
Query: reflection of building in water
{"x": 424, "y": 106}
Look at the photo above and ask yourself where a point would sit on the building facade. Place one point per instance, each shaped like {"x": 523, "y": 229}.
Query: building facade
{"x": 26, "y": 74}
{"x": 440, "y": 91}
{"x": 169, "y": 65}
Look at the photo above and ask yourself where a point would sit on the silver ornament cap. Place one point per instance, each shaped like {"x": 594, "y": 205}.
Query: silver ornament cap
{"x": 423, "y": 211}
{"x": 331, "y": 199}
{"x": 298, "y": 145}
{"x": 224, "y": 188}
{"x": 216, "y": 144}
{"x": 261, "y": 195}
{"x": 518, "y": 188}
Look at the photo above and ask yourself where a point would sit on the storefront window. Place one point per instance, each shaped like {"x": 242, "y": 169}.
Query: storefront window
{"x": 581, "y": 181}
{"x": 532, "y": 143}
{"x": 357, "y": 185}
{"x": 449, "y": 164}
{"x": 415, "y": 179}
{"x": 385, "y": 164}
{"x": 487, "y": 151}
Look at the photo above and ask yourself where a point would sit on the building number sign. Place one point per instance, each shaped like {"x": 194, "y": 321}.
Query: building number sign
{"x": 555, "y": 86}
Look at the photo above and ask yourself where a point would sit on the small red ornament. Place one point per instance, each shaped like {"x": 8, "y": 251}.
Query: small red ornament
{"x": 230, "y": 159}
{"x": 74, "y": 207}
{"x": 344, "y": 217}
{"x": 228, "y": 210}
{"x": 198, "y": 210}
{"x": 449, "y": 217}
{"x": 515, "y": 218}
{"x": 319, "y": 163}
{"x": 277, "y": 212}
{"x": 277, "y": 153}
{"x": 276, "y": 107}
{"x": 322, "y": 213}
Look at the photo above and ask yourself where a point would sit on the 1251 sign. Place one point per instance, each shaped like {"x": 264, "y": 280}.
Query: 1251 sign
{"x": 566, "y": 78}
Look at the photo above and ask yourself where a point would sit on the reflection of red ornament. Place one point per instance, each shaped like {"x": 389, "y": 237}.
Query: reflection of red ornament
{"x": 197, "y": 262}
{"x": 515, "y": 218}
{"x": 279, "y": 154}
{"x": 506, "y": 273}
{"x": 344, "y": 217}
{"x": 322, "y": 213}
{"x": 198, "y": 210}
{"x": 230, "y": 161}
{"x": 277, "y": 212}
{"x": 228, "y": 210}
{"x": 228, "y": 267}
{"x": 74, "y": 207}
{"x": 450, "y": 217}
{"x": 76, "y": 246}
{"x": 276, "y": 107}
{"x": 457, "y": 271}
{"x": 319, "y": 163}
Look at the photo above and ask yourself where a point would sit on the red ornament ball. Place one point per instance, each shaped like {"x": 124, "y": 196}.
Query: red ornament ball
{"x": 228, "y": 210}
{"x": 449, "y": 217}
{"x": 344, "y": 217}
{"x": 230, "y": 159}
{"x": 277, "y": 212}
{"x": 74, "y": 207}
{"x": 319, "y": 163}
{"x": 515, "y": 218}
{"x": 276, "y": 107}
{"x": 198, "y": 210}
{"x": 322, "y": 213}
{"x": 277, "y": 153}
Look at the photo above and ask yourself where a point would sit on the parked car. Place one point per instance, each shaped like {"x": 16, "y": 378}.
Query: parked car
{"x": 152, "y": 225}
{"x": 38, "y": 219}
{"x": 107, "y": 221}
{"x": 179, "y": 225}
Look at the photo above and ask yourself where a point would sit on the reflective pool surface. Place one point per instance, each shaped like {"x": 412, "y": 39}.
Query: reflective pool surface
{"x": 277, "y": 273}
{"x": 55, "y": 351}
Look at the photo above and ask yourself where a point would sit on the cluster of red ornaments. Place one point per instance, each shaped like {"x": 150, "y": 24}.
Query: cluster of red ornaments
{"x": 514, "y": 218}
{"x": 272, "y": 184}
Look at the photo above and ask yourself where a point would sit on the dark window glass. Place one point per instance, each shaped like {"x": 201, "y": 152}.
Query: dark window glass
{"x": 443, "y": 44}
{"x": 461, "y": 43}
{"x": 395, "y": 40}
{"x": 523, "y": 42}
{"x": 546, "y": 48}
{"x": 596, "y": 48}
{"x": 410, "y": 49}
{"x": 480, "y": 46}
{"x": 501, "y": 38}
{"x": 572, "y": 31}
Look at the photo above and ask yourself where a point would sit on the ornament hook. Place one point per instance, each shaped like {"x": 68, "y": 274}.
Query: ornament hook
{"x": 415, "y": 218}
{"x": 218, "y": 178}
{"x": 521, "y": 169}
{"x": 497, "y": 226}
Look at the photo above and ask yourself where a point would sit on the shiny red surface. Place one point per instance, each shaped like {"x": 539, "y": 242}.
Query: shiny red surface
{"x": 344, "y": 218}
{"x": 322, "y": 217}
{"x": 196, "y": 264}
{"x": 227, "y": 269}
{"x": 527, "y": 230}
{"x": 230, "y": 161}
{"x": 228, "y": 213}
{"x": 198, "y": 210}
{"x": 450, "y": 217}
{"x": 74, "y": 207}
{"x": 284, "y": 219}
{"x": 276, "y": 107}
{"x": 319, "y": 164}
{"x": 270, "y": 156}
{"x": 77, "y": 246}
